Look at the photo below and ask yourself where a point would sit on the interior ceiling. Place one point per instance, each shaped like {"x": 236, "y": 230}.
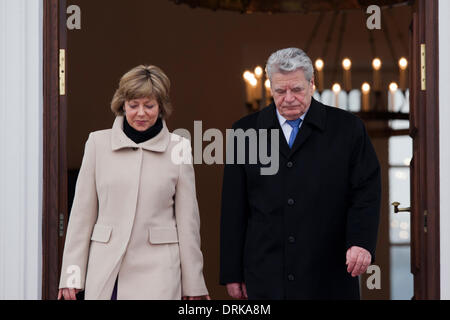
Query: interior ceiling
{"x": 288, "y": 6}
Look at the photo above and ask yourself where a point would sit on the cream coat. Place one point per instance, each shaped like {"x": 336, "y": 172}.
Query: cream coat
{"x": 135, "y": 216}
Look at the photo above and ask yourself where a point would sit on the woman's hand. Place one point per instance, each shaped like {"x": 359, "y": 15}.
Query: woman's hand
{"x": 197, "y": 298}
{"x": 68, "y": 293}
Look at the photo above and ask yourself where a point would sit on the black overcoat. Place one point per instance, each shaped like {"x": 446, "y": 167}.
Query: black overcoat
{"x": 286, "y": 235}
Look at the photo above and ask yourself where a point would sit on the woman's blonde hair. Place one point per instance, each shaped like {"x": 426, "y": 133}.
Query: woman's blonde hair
{"x": 143, "y": 82}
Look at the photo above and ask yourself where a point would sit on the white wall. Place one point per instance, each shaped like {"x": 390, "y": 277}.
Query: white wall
{"x": 21, "y": 148}
{"x": 444, "y": 144}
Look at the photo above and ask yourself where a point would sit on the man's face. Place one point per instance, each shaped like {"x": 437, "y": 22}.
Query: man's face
{"x": 292, "y": 93}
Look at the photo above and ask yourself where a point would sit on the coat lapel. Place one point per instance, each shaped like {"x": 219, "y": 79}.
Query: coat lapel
{"x": 315, "y": 118}
{"x": 268, "y": 119}
{"x": 119, "y": 139}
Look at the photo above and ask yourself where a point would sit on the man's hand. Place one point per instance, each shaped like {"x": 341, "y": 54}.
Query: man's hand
{"x": 358, "y": 259}
{"x": 237, "y": 290}
{"x": 68, "y": 293}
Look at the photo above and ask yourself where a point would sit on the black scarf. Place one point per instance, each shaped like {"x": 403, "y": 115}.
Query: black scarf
{"x": 141, "y": 136}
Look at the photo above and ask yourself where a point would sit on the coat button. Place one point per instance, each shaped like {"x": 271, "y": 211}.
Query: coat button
{"x": 291, "y": 239}
{"x": 289, "y": 164}
{"x": 291, "y": 277}
{"x": 290, "y": 202}
{"x": 134, "y": 148}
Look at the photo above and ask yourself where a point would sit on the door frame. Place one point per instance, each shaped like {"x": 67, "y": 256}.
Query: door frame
{"x": 425, "y": 252}
{"x": 54, "y": 197}
{"x": 424, "y": 129}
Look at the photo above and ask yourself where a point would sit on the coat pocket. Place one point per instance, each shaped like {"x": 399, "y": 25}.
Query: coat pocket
{"x": 101, "y": 233}
{"x": 159, "y": 235}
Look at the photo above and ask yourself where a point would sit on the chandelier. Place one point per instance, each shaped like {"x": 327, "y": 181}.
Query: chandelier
{"x": 369, "y": 100}
{"x": 366, "y": 100}
{"x": 287, "y": 6}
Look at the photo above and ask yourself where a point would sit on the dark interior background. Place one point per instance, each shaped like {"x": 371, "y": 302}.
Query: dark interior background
{"x": 204, "y": 53}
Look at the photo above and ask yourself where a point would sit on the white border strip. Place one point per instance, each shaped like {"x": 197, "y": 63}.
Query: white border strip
{"x": 444, "y": 145}
{"x": 21, "y": 101}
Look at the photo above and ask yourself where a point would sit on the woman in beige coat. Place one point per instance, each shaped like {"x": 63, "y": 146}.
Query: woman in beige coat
{"x": 134, "y": 225}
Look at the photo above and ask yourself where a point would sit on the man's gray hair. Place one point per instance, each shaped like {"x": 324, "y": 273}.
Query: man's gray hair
{"x": 288, "y": 60}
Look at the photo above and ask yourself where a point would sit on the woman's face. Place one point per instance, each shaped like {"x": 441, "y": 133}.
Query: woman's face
{"x": 141, "y": 113}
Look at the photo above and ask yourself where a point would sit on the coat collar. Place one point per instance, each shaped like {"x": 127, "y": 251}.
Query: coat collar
{"x": 315, "y": 116}
{"x": 119, "y": 139}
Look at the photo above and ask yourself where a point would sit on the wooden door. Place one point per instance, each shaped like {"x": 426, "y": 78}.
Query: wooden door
{"x": 424, "y": 130}
{"x": 54, "y": 211}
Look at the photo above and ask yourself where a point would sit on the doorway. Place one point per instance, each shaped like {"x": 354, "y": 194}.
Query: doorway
{"x": 204, "y": 54}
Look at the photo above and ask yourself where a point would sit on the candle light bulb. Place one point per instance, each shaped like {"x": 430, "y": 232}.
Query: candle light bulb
{"x": 336, "y": 88}
{"x": 365, "y": 87}
{"x": 319, "y": 64}
{"x": 403, "y": 63}
{"x": 247, "y": 75}
{"x": 268, "y": 92}
{"x": 253, "y": 82}
{"x": 249, "y": 87}
{"x": 346, "y": 64}
{"x": 393, "y": 87}
{"x": 258, "y": 71}
{"x": 376, "y": 64}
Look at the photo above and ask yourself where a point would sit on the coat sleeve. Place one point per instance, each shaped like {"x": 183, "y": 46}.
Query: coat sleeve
{"x": 365, "y": 192}
{"x": 188, "y": 226}
{"x": 81, "y": 222}
{"x": 233, "y": 223}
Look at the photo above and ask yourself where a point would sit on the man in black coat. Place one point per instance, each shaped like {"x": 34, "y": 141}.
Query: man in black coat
{"x": 309, "y": 230}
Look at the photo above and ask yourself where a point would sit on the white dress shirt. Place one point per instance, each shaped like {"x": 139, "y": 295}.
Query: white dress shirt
{"x": 287, "y": 129}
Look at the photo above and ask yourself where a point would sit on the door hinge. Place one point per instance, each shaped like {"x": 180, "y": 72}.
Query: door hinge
{"x": 425, "y": 221}
{"x": 423, "y": 82}
{"x": 62, "y": 72}
{"x": 61, "y": 225}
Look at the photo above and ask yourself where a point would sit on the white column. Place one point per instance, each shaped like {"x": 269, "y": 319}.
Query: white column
{"x": 444, "y": 145}
{"x": 21, "y": 100}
